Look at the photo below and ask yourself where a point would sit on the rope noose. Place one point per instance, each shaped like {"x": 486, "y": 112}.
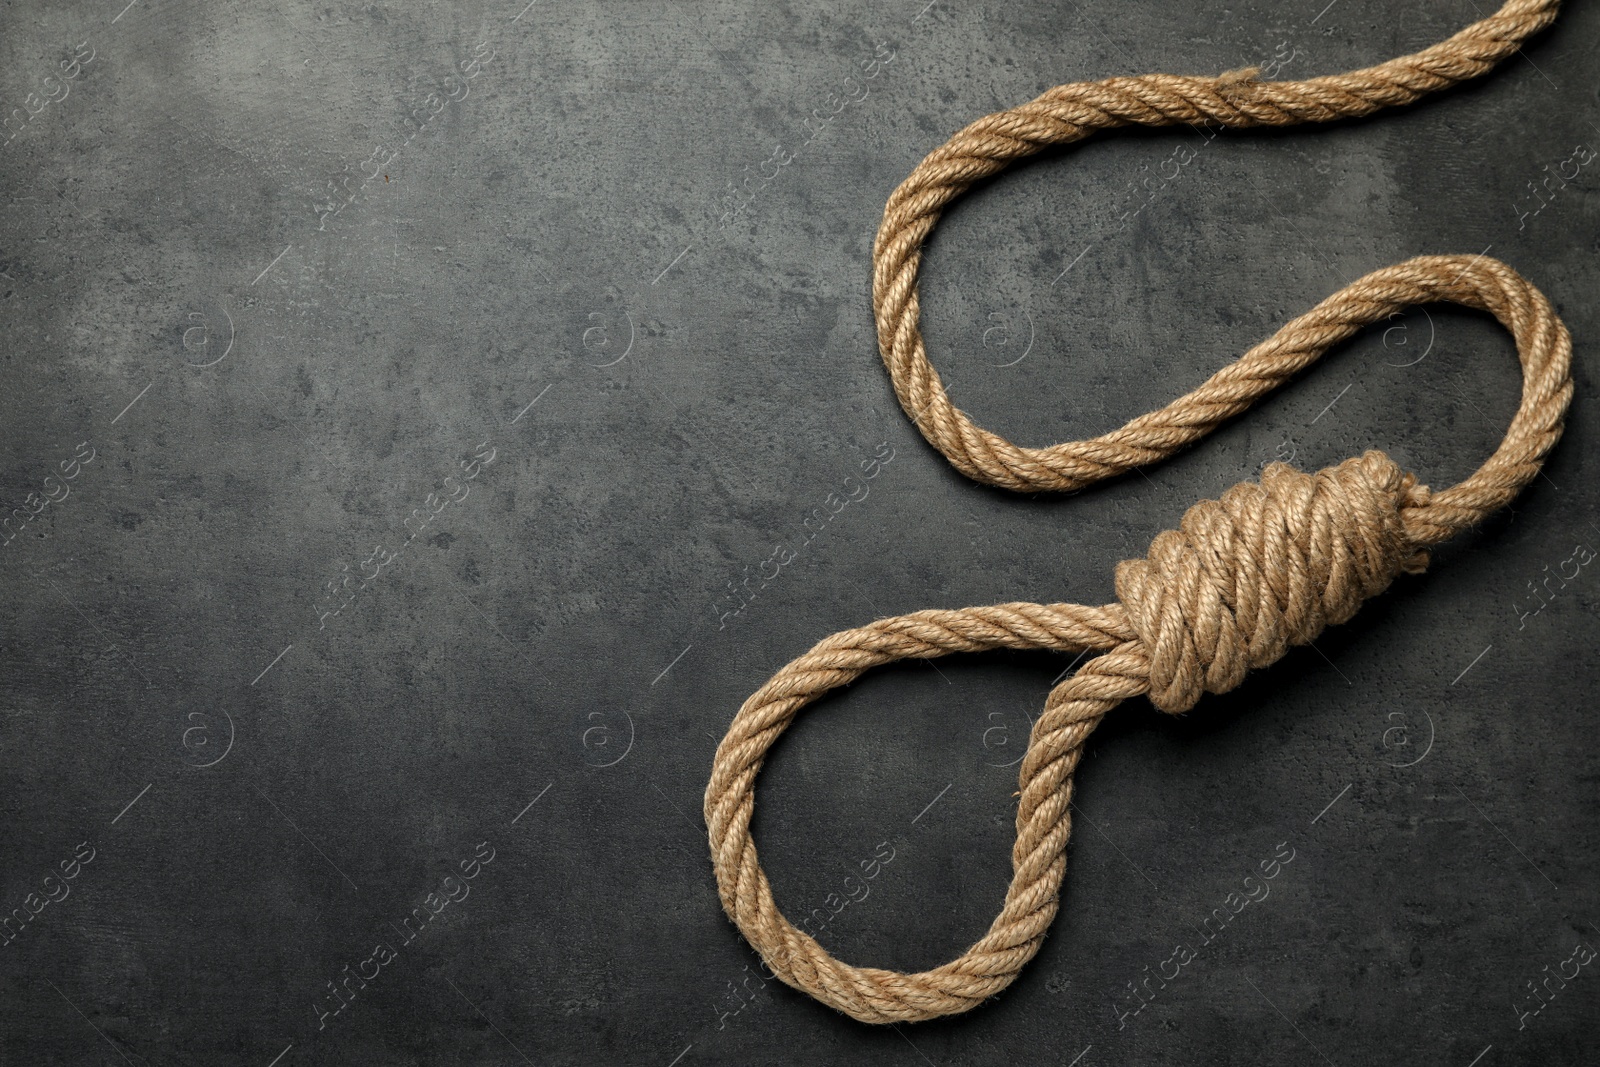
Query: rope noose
{"x": 1242, "y": 580}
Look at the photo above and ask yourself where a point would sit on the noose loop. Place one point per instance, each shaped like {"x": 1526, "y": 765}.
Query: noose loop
{"x": 1242, "y": 580}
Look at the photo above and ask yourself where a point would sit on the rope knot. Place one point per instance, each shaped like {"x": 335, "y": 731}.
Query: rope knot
{"x": 1265, "y": 568}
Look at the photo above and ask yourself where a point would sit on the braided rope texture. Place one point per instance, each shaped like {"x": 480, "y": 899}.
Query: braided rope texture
{"x": 1242, "y": 579}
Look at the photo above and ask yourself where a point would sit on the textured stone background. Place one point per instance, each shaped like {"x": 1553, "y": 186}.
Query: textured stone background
{"x": 539, "y": 672}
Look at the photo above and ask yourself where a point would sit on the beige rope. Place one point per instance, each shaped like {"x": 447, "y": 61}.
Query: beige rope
{"x": 1240, "y": 582}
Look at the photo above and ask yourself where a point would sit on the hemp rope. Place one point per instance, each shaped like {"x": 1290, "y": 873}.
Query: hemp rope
{"x": 1243, "y": 579}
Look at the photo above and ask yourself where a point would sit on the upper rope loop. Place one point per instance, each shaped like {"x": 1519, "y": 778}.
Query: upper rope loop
{"x": 1242, "y": 579}
{"x": 1071, "y": 112}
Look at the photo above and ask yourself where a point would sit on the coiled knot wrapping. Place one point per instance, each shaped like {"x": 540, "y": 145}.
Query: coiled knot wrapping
{"x": 1265, "y": 568}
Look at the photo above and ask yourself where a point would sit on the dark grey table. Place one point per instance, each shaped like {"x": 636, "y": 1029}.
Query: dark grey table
{"x": 410, "y": 419}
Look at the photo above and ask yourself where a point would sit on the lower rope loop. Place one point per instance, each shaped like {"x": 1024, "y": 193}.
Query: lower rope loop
{"x": 1241, "y": 580}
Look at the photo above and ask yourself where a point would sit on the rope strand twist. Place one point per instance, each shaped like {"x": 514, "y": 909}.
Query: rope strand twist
{"x": 1242, "y": 579}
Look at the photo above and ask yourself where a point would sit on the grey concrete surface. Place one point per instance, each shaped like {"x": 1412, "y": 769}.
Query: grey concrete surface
{"x": 402, "y": 542}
